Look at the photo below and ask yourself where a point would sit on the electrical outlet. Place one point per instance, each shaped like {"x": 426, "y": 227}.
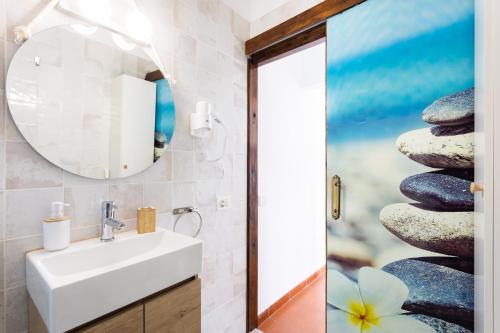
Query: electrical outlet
{"x": 222, "y": 203}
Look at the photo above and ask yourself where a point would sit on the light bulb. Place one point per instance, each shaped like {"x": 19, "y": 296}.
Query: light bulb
{"x": 122, "y": 43}
{"x": 138, "y": 26}
{"x": 95, "y": 10}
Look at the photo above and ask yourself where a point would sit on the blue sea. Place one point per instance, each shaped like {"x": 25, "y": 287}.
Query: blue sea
{"x": 390, "y": 59}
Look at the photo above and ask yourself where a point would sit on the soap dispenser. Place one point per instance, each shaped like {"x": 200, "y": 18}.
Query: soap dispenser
{"x": 56, "y": 228}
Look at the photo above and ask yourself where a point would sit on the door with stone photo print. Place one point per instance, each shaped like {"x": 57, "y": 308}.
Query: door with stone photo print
{"x": 400, "y": 113}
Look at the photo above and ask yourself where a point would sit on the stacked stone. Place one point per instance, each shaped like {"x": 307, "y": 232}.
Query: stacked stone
{"x": 442, "y": 219}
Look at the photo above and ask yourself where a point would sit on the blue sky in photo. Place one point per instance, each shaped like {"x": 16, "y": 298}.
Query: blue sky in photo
{"x": 388, "y": 60}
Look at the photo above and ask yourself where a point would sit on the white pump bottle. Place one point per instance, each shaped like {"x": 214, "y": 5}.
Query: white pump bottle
{"x": 56, "y": 228}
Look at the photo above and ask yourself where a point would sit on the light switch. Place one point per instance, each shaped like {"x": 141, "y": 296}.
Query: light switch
{"x": 223, "y": 203}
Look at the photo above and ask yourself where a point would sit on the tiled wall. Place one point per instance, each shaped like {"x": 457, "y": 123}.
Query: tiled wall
{"x": 201, "y": 43}
{"x": 280, "y": 14}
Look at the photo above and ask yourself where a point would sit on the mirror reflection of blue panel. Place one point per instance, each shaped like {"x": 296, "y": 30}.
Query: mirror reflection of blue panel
{"x": 165, "y": 117}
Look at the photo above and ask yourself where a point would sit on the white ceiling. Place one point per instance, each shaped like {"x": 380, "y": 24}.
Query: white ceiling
{"x": 252, "y": 10}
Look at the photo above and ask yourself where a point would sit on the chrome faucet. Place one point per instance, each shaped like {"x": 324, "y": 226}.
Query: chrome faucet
{"x": 108, "y": 221}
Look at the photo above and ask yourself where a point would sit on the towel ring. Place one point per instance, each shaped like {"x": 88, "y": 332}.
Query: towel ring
{"x": 184, "y": 211}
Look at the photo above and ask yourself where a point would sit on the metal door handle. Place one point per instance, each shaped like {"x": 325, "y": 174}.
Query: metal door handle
{"x": 335, "y": 197}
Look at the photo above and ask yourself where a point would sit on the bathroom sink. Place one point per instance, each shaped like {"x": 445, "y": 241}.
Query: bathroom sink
{"x": 91, "y": 278}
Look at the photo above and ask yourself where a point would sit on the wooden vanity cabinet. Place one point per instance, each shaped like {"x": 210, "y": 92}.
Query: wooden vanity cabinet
{"x": 130, "y": 320}
{"x": 174, "y": 310}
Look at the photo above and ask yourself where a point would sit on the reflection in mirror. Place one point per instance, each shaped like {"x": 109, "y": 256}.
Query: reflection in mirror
{"x": 90, "y": 101}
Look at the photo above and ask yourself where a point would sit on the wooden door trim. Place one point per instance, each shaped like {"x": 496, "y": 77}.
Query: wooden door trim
{"x": 291, "y": 45}
{"x": 294, "y": 44}
{"x": 252, "y": 198}
{"x": 299, "y": 23}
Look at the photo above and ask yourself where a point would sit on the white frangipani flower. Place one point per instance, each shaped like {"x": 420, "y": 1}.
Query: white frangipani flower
{"x": 374, "y": 306}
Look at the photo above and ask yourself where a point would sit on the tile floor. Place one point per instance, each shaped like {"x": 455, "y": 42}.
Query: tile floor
{"x": 304, "y": 313}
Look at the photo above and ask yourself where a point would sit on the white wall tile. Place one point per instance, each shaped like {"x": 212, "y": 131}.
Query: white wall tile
{"x": 209, "y": 8}
{"x": 209, "y": 170}
{"x": 183, "y": 194}
{"x": 224, "y": 17}
{"x": 239, "y": 259}
{"x": 207, "y": 91}
{"x": 2, "y": 270}
{"x": 234, "y": 311}
{"x": 15, "y": 264}
{"x": 185, "y": 17}
{"x": 183, "y": 162}
{"x": 211, "y": 322}
{"x": 2, "y": 312}
{"x": 185, "y": 104}
{"x": 25, "y": 210}
{"x": 128, "y": 198}
{"x": 207, "y": 20}
{"x": 158, "y": 195}
{"x": 26, "y": 169}
{"x": 185, "y": 49}
{"x": 85, "y": 204}
{"x": 207, "y": 58}
{"x": 88, "y": 232}
{"x": 185, "y": 77}
{"x": 240, "y": 283}
{"x": 3, "y": 17}
{"x": 164, "y": 221}
{"x": 2, "y": 217}
{"x": 206, "y": 191}
{"x": 161, "y": 171}
{"x": 16, "y": 309}
{"x": 2, "y": 164}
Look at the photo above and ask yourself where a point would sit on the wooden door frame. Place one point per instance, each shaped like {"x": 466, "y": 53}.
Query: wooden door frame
{"x": 293, "y": 35}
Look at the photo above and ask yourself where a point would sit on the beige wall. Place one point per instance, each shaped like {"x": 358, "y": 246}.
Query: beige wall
{"x": 201, "y": 44}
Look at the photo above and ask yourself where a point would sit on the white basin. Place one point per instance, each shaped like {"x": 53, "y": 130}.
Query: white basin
{"x": 91, "y": 278}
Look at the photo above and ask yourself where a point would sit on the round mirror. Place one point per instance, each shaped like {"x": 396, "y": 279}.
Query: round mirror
{"x": 91, "y": 101}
